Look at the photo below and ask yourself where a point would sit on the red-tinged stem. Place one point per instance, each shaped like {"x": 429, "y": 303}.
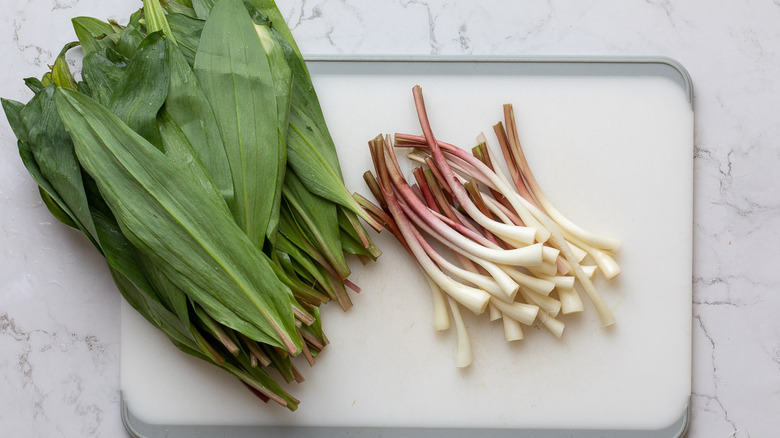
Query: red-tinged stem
{"x": 255, "y": 351}
{"x": 450, "y": 215}
{"x": 442, "y": 202}
{"x": 312, "y": 340}
{"x": 476, "y": 197}
{"x": 377, "y": 218}
{"x": 437, "y": 174}
{"x": 225, "y": 340}
{"x": 507, "y": 205}
{"x": 477, "y": 258}
{"x": 303, "y": 316}
{"x": 348, "y": 283}
{"x": 261, "y": 389}
{"x": 319, "y": 258}
{"x": 391, "y": 175}
{"x": 341, "y": 295}
{"x": 256, "y": 393}
{"x": 460, "y": 223}
{"x": 450, "y": 219}
{"x": 288, "y": 343}
{"x": 508, "y": 285}
{"x": 385, "y": 217}
{"x": 467, "y": 230}
{"x": 372, "y": 222}
{"x": 207, "y": 348}
{"x": 394, "y": 177}
{"x": 514, "y": 173}
{"x": 383, "y": 172}
{"x": 482, "y": 172}
{"x": 400, "y": 237}
{"x": 489, "y": 159}
{"x": 482, "y": 153}
{"x": 395, "y": 231}
{"x": 373, "y": 186}
{"x": 419, "y": 176}
{"x": 439, "y": 260}
{"x": 378, "y": 212}
{"x": 359, "y": 230}
{"x": 467, "y": 164}
{"x": 606, "y": 243}
{"x": 307, "y": 354}
{"x": 453, "y": 161}
{"x": 373, "y": 208}
{"x": 494, "y": 178}
{"x": 297, "y": 374}
{"x": 375, "y": 151}
{"x": 478, "y": 237}
{"x": 466, "y": 170}
{"x": 475, "y": 299}
{"x": 416, "y": 190}
{"x": 517, "y": 175}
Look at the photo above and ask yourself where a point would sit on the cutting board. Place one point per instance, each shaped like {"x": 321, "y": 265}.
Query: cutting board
{"x": 611, "y": 143}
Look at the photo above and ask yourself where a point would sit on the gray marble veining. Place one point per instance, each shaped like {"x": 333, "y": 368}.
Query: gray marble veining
{"x": 59, "y": 364}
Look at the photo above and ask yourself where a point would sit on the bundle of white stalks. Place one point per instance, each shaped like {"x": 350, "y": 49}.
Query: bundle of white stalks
{"x": 484, "y": 240}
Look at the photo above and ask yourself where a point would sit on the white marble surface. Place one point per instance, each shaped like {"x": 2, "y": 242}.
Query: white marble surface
{"x": 59, "y": 342}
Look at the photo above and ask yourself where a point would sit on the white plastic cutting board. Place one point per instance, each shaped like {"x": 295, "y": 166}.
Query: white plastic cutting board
{"x": 614, "y": 153}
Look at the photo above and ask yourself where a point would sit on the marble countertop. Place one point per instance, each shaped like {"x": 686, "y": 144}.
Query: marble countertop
{"x": 59, "y": 343}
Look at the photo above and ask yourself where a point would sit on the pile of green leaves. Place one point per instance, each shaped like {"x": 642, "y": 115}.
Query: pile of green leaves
{"x": 194, "y": 155}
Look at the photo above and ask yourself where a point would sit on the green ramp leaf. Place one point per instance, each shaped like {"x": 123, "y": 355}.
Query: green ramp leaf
{"x": 53, "y": 152}
{"x": 130, "y": 36}
{"x": 310, "y": 148}
{"x": 183, "y": 156}
{"x": 94, "y": 34}
{"x": 103, "y": 70}
{"x": 320, "y": 218}
{"x": 60, "y": 72}
{"x": 193, "y": 241}
{"x": 203, "y": 7}
{"x": 141, "y": 92}
{"x": 154, "y": 19}
{"x": 235, "y": 74}
{"x": 187, "y": 32}
{"x": 188, "y": 107}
